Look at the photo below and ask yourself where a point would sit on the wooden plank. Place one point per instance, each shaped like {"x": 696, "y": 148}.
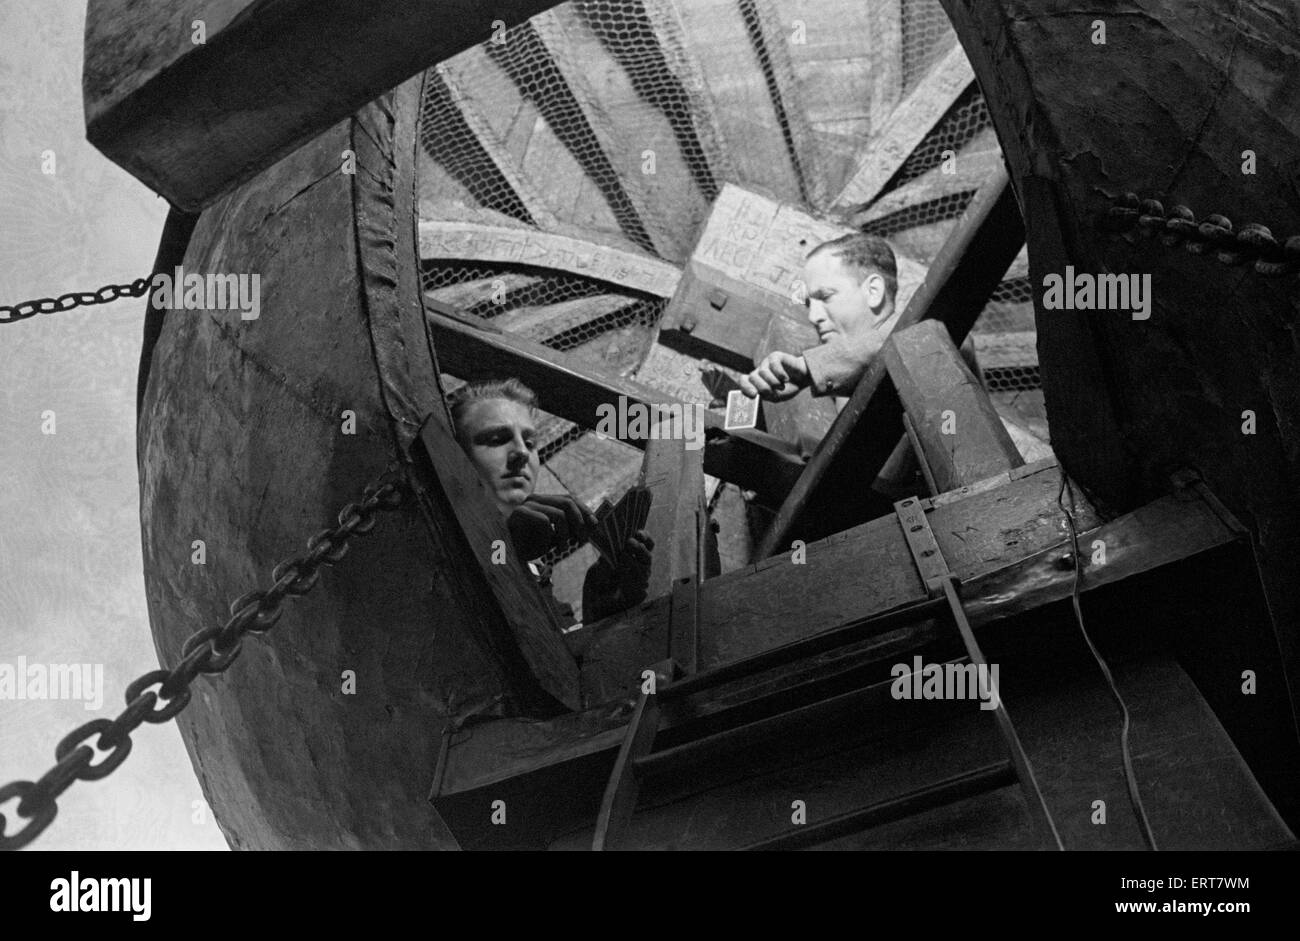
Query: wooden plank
{"x": 1006, "y": 350}
{"x": 640, "y": 217}
{"x": 573, "y": 389}
{"x": 675, "y": 477}
{"x": 1005, "y": 543}
{"x": 970, "y": 170}
{"x": 716, "y": 37}
{"x": 666, "y": 23}
{"x": 483, "y": 293}
{"x": 541, "y": 323}
{"x": 193, "y": 120}
{"x": 772, "y": 38}
{"x": 907, "y": 126}
{"x": 523, "y": 188}
{"x": 886, "y": 41}
{"x": 474, "y": 242}
{"x": 982, "y": 245}
{"x": 960, "y": 433}
{"x": 650, "y": 112}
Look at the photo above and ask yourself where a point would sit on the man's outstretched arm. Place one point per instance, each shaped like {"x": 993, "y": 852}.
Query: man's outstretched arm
{"x": 834, "y": 368}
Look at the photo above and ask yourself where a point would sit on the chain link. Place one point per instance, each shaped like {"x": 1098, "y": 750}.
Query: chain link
{"x": 1253, "y": 243}
{"x": 49, "y": 305}
{"x": 208, "y": 651}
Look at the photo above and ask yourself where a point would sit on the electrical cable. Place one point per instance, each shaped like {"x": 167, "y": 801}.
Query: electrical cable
{"x": 1130, "y": 779}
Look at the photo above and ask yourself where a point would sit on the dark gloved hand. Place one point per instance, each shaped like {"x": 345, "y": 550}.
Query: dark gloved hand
{"x": 544, "y": 521}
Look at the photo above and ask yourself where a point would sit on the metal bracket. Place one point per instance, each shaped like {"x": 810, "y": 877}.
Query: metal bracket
{"x": 925, "y": 551}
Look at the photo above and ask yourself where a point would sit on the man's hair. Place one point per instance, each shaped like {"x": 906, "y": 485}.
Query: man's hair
{"x": 511, "y": 389}
{"x": 866, "y": 253}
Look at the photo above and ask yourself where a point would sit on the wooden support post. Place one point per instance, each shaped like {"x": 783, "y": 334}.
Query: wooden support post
{"x": 959, "y": 430}
{"x": 906, "y": 127}
{"x": 192, "y": 119}
{"x": 982, "y": 245}
{"x": 675, "y": 478}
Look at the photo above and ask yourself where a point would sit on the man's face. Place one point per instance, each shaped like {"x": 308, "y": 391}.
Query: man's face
{"x": 501, "y": 440}
{"x": 841, "y": 300}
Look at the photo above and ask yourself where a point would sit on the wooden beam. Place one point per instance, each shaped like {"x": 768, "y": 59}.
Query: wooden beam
{"x": 573, "y": 389}
{"x": 886, "y": 17}
{"x": 527, "y": 192}
{"x": 776, "y": 602}
{"x": 969, "y": 173}
{"x": 981, "y": 246}
{"x": 542, "y": 323}
{"x": 474, "y": 242}
{"x": 675, "y": 477}
{"x": 666, "y": 23}
{"x": 716, "y": 36}
{"x": 639, "y": 215}
{"x": 484, "y": 294}
{"x": 780, "y": 602}
{"x": 960, "y": 432}
{"x": 910, "y": 122}
{"x": 771, "y": 40}
{"x": 191, "y": 120}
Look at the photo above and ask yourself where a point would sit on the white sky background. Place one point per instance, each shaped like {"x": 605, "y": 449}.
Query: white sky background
{"x": 71, "y": 578}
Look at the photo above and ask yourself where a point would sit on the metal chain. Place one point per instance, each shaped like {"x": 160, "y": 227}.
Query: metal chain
{"x": 209, "y": 651}
{"x": 49, "y": 305}
{"x": 1253, "y": 242}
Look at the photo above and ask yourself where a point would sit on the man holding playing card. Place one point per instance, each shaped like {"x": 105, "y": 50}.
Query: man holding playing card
{"x": 495, "y": 424}
{"x": 851, "y": 283}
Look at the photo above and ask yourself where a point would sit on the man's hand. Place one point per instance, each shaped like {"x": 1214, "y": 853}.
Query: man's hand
{"x": 544, "y": 521}
{"x": 607, "y": 591}
{"x": 778, "y": 377}
{"x": 634, "y": 572}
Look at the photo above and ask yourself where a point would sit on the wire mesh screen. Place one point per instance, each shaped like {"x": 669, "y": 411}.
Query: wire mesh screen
{"x": 967, "y": 118}
{"x": 927, "y": 35}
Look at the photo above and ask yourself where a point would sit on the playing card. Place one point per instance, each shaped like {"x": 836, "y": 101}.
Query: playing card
{"x": 742, "y": 411}
{"x": 601, "y": 536}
